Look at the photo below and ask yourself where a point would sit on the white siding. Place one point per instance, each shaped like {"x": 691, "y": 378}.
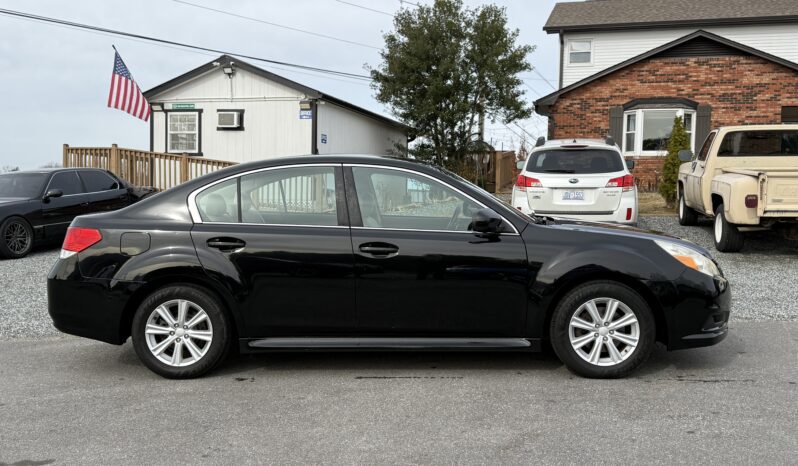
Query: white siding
{"x": 349, "y": 132}
{"x": 272, "y": 126}
{"x": 613, "y": 47}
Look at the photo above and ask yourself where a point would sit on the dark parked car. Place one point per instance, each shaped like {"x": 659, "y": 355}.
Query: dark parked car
{"x": 359, "y": 252}
{"x": 37, "y": 206}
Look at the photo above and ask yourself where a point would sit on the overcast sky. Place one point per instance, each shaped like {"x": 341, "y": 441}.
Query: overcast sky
{"x": 54, "y": 80}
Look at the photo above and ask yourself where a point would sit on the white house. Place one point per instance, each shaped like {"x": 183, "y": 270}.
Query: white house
{"x": 231, "y": 110}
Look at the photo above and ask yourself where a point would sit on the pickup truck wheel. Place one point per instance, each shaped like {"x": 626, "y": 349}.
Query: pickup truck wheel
{"x": 727, "y": 237}
{"x": 687, "y": 216}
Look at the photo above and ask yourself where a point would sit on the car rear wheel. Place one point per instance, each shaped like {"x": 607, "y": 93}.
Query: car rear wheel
{"x": 180, "y": 332}
{"x": 602, "y": 329}
{"x": 17, "y": 238}
{"x": 727, "y": 237}
{"x": 687, "y": 216}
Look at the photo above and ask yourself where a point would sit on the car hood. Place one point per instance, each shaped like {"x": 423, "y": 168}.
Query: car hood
{"x": 621, "y": 230}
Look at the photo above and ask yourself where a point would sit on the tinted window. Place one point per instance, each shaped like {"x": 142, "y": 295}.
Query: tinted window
{"x": 399, "y": 199}
{"x": 219, "y": 203}
{"x": 575, "y": 161}
{"x": 759, "y": 143}
{"x": 67, "y": 182}
{"x": 290, "y": 196}
{"x": 97, "y": 181}
{"x": 25, "y": 185}
{"x": 707, "y": 144}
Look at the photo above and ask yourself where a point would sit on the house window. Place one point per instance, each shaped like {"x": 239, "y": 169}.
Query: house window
{"x": 647, "y": 131}
{"x": 580, "y": 52}
{"x": 789, "y": 114}
{"x": 183, "y": 132}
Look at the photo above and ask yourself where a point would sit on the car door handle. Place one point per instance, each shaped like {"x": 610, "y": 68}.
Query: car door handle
{"x": 226, "y": 244}
{"x": 379, "y": 249}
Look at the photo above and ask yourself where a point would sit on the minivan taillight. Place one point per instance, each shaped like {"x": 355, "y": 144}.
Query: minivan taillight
{"x": 79, "y": 239}
{"x": 524, "y": 182}
{"x": 627, "y": 182}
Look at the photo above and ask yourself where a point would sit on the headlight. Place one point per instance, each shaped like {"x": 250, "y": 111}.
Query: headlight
{"x": 690, "y": 257}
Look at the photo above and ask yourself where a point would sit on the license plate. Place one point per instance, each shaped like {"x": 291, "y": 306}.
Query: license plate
{"x": 573, "y": 196}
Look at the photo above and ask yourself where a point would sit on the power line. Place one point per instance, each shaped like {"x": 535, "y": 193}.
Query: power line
{"x": 366, "y": 8}
{"x": 45, "y": 19}
{"x": 544, "y": 78}
{"x": 290, "y": 28}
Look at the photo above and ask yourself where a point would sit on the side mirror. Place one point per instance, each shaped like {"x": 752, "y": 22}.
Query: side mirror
{"x": 685, "y": 155}
{"x": 630, "y": 164}
{"x": 51, "y": 193}
{"x": 486, "y": 223}
{"x": 520, "y": 164}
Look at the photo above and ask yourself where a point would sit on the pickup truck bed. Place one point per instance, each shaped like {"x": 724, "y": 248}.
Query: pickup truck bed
{"x": 778, "y": 190}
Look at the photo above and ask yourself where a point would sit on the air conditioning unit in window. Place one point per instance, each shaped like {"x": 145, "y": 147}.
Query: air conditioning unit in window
{"x": 229, "y": 120}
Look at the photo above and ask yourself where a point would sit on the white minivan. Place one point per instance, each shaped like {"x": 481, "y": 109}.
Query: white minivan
{"x": 584, "y": 179}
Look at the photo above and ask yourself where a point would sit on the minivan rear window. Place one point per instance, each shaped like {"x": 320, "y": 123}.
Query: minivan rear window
{"x": 759, "y": 143}
{"x": 578, "y": 161}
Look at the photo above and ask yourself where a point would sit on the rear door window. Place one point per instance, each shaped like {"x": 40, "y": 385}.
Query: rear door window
{"x": 585, "y": 161}
{"x": 759, "y": 143}
{"x": 68, "y": 182}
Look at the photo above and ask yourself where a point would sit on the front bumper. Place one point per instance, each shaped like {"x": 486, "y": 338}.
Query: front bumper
{"x": 88, "y": 307}
{"x": 700, "y": 316}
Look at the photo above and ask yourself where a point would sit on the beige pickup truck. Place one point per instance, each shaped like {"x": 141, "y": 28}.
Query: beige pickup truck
{"x": 744, "y": 176}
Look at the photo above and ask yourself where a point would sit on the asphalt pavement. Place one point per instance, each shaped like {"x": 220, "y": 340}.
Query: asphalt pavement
{"x": 73, "y": 401}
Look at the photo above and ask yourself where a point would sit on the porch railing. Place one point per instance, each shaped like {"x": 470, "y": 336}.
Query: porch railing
{"x": 142, "y": 168}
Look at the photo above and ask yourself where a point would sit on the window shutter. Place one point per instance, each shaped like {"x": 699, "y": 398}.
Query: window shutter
{"x": 616, "y": 124}
{"x": 703, "y": 124}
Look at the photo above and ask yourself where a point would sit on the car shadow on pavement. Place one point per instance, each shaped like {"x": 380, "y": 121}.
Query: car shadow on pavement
{"x": 428, "y": 364}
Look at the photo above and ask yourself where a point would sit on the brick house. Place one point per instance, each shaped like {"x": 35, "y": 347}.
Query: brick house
{"x": 630, "y": 80}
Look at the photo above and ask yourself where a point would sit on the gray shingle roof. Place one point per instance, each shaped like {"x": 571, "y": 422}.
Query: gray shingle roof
{"x": 611, "y": 14}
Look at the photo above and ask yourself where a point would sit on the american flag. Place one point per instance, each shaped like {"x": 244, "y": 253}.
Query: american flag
{"x": 125, "y": 93}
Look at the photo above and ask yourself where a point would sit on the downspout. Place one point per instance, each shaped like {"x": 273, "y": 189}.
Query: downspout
{"x": 314, "y": 128}
{"x": 562, "y": 55}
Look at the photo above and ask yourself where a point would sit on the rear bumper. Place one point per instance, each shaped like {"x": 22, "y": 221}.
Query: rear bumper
{"x": 86, "y": 307}
{"x": 701, "y": 316}
{"x": 627, "y": 206}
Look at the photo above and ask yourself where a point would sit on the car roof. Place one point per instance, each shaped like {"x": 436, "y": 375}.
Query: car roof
{"x": 780, "y": 126}
{"x": 55, "y": 170}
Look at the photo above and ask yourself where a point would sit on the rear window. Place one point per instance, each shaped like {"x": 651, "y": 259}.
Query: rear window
{"x": 759, "y": 143}
{"x": 575, "y": 161}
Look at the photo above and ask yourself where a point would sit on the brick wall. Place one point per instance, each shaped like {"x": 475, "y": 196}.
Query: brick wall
{"x": 740, "y": 89}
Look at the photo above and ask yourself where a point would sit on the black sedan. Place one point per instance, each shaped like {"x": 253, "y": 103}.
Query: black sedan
{"x": 374, "y": 253}
{"x": 38, "y": 206}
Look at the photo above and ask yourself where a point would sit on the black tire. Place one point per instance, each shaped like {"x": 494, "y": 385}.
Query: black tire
{"x": 572, "y": 304}
{"x": 219, "y": 328}
{"x": 687, "y": 216}
{"x": 16, "y": 238}
{"x": 727, "y": 237}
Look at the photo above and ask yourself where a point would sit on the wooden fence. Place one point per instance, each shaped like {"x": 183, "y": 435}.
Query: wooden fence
{"x": 142, "y": 168}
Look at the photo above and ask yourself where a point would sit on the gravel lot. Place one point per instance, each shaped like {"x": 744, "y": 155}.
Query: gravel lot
{"x": 762, "y": 278}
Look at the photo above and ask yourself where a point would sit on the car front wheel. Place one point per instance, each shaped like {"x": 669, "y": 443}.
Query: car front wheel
{"x": 17, "y": 238}
{"x": 602, "y": 329}
{"x": 727, "y": 237}
{"x": 180, "y": 332}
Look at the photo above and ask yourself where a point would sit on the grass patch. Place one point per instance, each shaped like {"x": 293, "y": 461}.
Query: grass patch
{"x": 653, "y": 204}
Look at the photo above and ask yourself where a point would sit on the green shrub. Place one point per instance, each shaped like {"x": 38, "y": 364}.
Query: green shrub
{"x": 670, "y": 172}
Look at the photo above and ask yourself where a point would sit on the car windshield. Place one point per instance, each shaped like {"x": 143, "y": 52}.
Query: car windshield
{"x": 582, "y": 161}
{"x": 23, "y": 185}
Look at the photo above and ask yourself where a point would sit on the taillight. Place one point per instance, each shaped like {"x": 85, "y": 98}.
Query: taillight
{"x": 78, "y": 239}
{"x": 524, "y": 182}
{"x": 627, "y": 182}
{"x": 751, "y": 201}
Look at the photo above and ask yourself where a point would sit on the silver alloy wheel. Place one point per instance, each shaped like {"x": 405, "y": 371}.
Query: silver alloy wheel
{"x": 604, "y": 331}
{"x": 718, "y": 228}
{"x": 179, "y": 333}
{"x": 17, "y": 238}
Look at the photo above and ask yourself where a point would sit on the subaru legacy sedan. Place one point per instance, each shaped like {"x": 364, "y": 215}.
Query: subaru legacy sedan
{"x": 374, "y": 253}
